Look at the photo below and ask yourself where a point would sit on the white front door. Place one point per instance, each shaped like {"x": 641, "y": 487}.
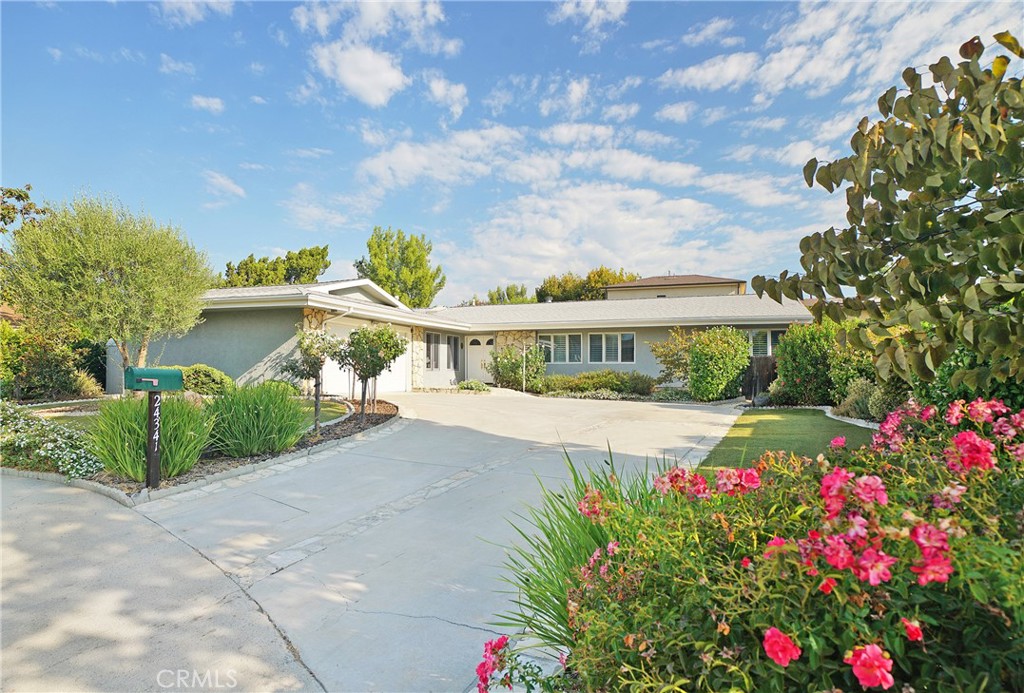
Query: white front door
{"x": 478, "y": 353}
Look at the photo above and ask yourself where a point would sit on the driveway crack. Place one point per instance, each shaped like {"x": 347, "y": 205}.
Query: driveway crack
{"x": 423, "y": 617}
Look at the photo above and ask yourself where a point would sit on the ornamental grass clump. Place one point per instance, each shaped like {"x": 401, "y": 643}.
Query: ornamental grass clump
{"x": 118, "y": 438}
{"x": 257, "y": 419}
{"x": 895, "y": 565}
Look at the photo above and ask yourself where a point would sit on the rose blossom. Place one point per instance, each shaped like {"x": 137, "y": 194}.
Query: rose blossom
{"x": 780, "y": 647}
{"x": 871, "y": 665}
{"x": 913, "y": 629}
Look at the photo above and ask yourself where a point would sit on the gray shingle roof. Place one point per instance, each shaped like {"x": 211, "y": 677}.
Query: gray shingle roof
{"x": 675, "y": 280}
{"x": 686, "y": 310}
{"x": 277, "y": 290}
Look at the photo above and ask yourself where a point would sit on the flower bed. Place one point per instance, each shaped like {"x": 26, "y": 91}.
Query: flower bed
{"x": 895, "y": 564}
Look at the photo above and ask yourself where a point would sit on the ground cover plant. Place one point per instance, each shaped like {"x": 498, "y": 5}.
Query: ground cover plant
{"x": 800, "y": 431}
{"x": 28, "y": 442}
{"x": 893, "y": 566}
{"x": 118, "y": 436}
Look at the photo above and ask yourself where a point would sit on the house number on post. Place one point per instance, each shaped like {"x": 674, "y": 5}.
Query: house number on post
{"x": 154, "y": 381}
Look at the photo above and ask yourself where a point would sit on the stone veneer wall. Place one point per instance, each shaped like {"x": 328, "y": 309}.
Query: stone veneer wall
{"x": 419, "y": 356}
{"x": 515, "y": 338}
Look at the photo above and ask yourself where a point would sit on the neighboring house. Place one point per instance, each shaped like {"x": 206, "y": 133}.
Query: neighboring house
{"x": 675, "y": 285}
{"x": 249, "y": 332}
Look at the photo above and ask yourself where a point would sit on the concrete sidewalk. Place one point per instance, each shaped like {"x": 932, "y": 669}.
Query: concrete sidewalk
{"x": 380, "y": 561}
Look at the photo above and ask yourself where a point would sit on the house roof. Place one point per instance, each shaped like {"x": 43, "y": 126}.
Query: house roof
{"x": 236, "y": 293}
{"x": 741, "y": 309}
{"x": 675, "y": 280}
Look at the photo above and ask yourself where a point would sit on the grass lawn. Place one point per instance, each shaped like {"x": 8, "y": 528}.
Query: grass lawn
{"x": 803, "y": 431}
{"x": 83, "y": 421}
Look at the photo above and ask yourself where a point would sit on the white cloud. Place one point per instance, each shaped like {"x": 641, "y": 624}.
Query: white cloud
{"x": 596, "y": 18}
{"x": 754, "y": 189}
{"x": 794, "y": 154}
{"x": 627, "y": 165}
{"x": 252, "y": 166}
{"x": 577, "y": 134}
{"x": 310, "y": 152}
{"x": 371, "y": 76}
{"x": 170, "y": 66}
{"x": 279, "y": 35}
{"x": 649, "y": 139}
{"x": 677, "y": 112}
{"x": 614, "y": 92}
{"x": 721, "y": 72}
{"x": 221, "y": 187}
{"x": 257, "y": 68}
{"x": 55, "y": 53}
{"x": 307, "y": 212}
{"x": 256, "y": 99}
{"x": 182, "y": 13}
{"x": 447, "y": 95}
{"x": 574, "y": 103}
{"x": 308, "y": 91}
{"x": 509, "y": 90}
{"x": 763, "y": 123}
{"x": 375, "y": 136}
{"x": 364, "y": 22}
{"x": 620, "y": 112}
{"x": 715, "y": 114}
{"x": 712, "y": 31}
{"x": 208, "y": 103}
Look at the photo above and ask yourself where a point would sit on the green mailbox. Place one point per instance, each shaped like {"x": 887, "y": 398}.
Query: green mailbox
{"x": 153, "y": 379}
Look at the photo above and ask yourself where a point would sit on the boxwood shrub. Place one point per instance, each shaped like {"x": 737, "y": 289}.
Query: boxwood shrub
{"x": 204, "y": 380}
{"x": 718, "y": 358}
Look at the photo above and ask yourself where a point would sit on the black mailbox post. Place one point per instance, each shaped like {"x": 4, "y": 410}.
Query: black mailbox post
{"x": 155, "y": 381}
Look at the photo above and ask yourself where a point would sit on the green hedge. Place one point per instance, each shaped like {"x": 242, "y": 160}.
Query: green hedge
{"x": 205, "y": 380}
{"x": 718, "y": 358}
{"x": 803, "y": 361}
{"x": 625, "y": 383}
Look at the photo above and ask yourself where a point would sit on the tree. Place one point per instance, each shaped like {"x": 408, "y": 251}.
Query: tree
{"x": 400, "y": 265}
{"x": 936, "y": 224}
{"x": 299, "y": 267}
{"x": 572, "y": 287}
{"x": 17, "y": 206}
{"x": 673, "y": 355}
{"x": 95, "y": 268}
{"x": 513, "y": 293}
{"x": 369, "y": 352}
{"x": 314, "y": 348}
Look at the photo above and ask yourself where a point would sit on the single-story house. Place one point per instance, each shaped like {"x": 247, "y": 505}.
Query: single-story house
{"x": 249, "y": 332}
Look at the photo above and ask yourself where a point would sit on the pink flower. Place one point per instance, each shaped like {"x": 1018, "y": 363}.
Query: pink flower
{"x": 493, "y": 661}
{"x": 871, "y": 665}
{"x": 780, "y": 647}
{"x": 1003, "y": 429}
{"x": 837, "y": 553}
{"x": 838, "y": 442}
{"x": 929, "y": 538}
{"x": 928, "y": 413}
{"x": 873, "y": 567}
{"x": 955, "y": 412}
{"x": 683, "y": 481}
{"x": 858, "y": 527}
{"x": 745, "y": 563}
{"x": 933, "y": 567}
{"x": 1017, "y": 451}
{"x": 913, "y": 629}
{"x": 972, "y": 452}
{"x": 750, "y": 479}
{"x": 591, "y": 506}
{"x": 726, "y": 480}
{"x": 774, "y": 543}
{"x": 613, "y": 548}
{"x": 833, "y": 483}
{"x": 827, "y": 585}
{"x": 833, "y": 506}
{"x": 981, "y": 411}
{"x": 870, "y": 489}
{"x": 949, "y": 496}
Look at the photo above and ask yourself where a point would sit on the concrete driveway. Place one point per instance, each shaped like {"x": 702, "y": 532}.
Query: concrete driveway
{"x": 381, "y": 561}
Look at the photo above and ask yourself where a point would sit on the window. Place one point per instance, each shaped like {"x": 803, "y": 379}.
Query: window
{"x": 616, "y": 347}
{"x": 453, "y": 352}
{"x": 474, "y": 342}
{"x": 561, "y": 348}
{"x": 776, "y": 336}
{"x": 759, "y": 343}
{"x": 433, "y": 351}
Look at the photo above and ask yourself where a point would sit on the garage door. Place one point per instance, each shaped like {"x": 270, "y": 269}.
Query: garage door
{"x": 399, "y": 377}
{"x": 339, "y": 382}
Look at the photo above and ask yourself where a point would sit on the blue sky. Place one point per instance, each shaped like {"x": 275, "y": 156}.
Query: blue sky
{"x": 524, "y": 139}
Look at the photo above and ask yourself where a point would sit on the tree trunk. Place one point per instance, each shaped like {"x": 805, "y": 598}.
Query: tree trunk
{"x": 126, "y": 357}
{"x": 316, "y": 404}
{"x": 362, "y": 405}
{"x": 143, "y": 351}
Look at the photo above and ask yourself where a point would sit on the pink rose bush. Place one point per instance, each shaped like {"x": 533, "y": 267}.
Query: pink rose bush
{"x": 895, "y": 565}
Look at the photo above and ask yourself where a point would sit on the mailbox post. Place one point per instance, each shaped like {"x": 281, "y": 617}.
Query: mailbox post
{"x": 155, "y": 381}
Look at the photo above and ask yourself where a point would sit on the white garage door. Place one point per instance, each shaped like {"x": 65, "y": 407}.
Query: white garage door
{"x": 339, "y": 381}
{"x": 398, "y": 378}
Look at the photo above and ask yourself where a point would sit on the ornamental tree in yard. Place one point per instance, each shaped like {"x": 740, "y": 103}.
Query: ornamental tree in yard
{"x": 315, "y": 347}
{"x": 935, "y": 205}
{"x": 369, "y": 352}
{"x": 95, "y": 268}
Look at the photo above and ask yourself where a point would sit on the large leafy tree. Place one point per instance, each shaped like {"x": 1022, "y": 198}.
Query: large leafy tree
{"x": 572, "y": 287}
{"x": 935, "y": 206}
{"x": 95, "y": 268}
{"x": 400, "y": 265}
{"x": 297, "y": 267}
{"x": 512, "y": 293}
{"x": 369, "y": 352}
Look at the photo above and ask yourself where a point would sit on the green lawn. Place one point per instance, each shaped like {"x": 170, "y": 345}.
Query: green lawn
{"x": 328, "y": 411}
{"x": 803, "y": 431}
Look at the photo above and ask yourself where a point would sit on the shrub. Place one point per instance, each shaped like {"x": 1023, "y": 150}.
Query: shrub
{"x": 802, "y": 359}
{"x": 45, "y": 370}
{"x": 205, "y": 380}
{"x": 91, "y": 357}
{"x": 28, "y": 442}
{"x": 637, "y": 383}
{"x": 474, "y": 386}
{"x": 846, "y": 364}
{"x": 506, "y": 367}
{"x": 288, "y": 385}
{"x": 256, "y": 419}
{"x": 556, "y": 382}
{"x": 84, "y": 385}
{"x": 779, "y": 395}
{"x": 603, "y": 393}
{"x": 118, "y": 438}
{"x": 630, "y": 383}
{"x": 12, "y": 346}
{"x": 790, "y": 575}
{"x": 942, "y": 391}
{"x": 673, "y": 355}
{"x": 671, "y": 394}
{"x": 887, "y": 397}
{"x": 859, "y": 393}
{"x": 718, "y": 358}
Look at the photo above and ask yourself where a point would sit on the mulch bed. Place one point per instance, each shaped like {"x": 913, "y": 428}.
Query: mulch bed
{"x": 208, "y": 466}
